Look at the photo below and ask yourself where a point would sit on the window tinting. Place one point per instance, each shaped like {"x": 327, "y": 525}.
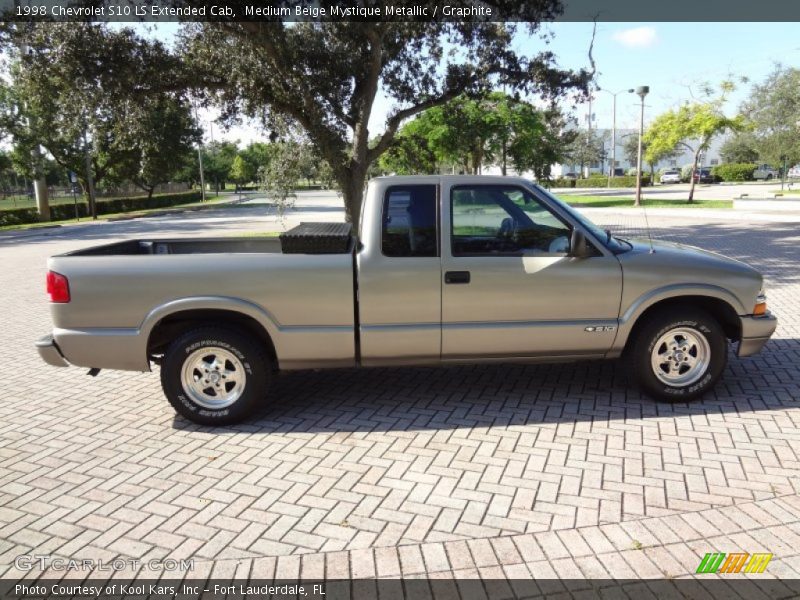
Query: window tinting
{"x": 409, "y": 221}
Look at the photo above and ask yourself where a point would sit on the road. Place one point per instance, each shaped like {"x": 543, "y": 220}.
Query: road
{"x": 508, "y": 470}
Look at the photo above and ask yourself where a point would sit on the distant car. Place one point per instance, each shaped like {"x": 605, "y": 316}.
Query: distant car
{"x": 794, "y": 172}
{"x": 704, "y": 175}
{"x": 671, "y": 176}
{"x": 765, "y": 172}
{"x": 570, "y": 175}
{"x": 619, "y": 172}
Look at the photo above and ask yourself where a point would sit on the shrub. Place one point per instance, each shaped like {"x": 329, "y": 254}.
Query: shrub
{"x": 561, "y": 183}
{"x": 686, "y": 173}
{"x": 734, "y": 171}
{"x": 626, "y": 181}
{"x": 61, "y": 212}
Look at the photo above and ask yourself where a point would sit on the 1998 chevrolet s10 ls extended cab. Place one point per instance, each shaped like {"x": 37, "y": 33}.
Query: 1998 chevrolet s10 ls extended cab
{"x": 444, "y": 270}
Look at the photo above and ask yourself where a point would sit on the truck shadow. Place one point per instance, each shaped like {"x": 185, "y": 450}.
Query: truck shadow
{"x": 506, "y": 395}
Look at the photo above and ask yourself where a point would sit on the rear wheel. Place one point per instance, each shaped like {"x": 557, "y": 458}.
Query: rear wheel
{"x": 679, "y": 354}
{"x": 214, "y": 376}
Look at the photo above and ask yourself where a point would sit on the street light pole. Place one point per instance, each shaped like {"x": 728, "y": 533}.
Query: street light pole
{"x": 641, "y": 91}
{"x": 614, "y": 131}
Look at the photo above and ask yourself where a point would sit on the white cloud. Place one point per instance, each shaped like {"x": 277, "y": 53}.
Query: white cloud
{"x": 637, "y": 37}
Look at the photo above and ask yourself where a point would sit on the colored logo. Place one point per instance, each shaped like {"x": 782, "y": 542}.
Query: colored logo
{"x": 736, "y": 562}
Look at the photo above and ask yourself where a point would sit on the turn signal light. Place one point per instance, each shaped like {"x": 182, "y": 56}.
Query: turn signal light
{"x": 57, "y": 287}
{"x": 760, "y": 309}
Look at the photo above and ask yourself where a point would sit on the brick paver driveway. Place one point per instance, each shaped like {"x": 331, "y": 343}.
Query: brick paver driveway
{"x": 493, "y": 470}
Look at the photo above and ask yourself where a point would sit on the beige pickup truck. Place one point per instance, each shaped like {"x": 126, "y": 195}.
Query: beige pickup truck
{"x": 444, "y": 270}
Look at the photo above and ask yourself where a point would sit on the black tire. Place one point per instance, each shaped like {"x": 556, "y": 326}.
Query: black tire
{"x": 239, "y": 355}
{"x": 699, "y": 325}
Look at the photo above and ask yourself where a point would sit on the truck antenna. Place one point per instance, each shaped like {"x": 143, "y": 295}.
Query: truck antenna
{"x": 647, "y": 225}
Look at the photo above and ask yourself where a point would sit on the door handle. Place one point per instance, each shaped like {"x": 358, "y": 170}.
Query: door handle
{"x": 456, "y": 277}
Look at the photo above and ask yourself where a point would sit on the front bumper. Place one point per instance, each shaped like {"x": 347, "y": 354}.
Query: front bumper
{"x": 49, "y": 352}
{"x": 755, "y": 333}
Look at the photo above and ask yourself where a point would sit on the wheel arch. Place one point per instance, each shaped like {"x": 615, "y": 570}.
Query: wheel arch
{"x": 719, "y": 308}
{"x": 169, "y": 321}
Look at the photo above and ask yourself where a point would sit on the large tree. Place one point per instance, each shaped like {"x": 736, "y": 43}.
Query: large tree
{"x": 773, "y": 113}
{"x": 649, "y": 156}
{"x": 91, "y": 96}
{"x": 693, "y": 126}
{"x": 326, "y": 76}
{"x": 586, "y": 148}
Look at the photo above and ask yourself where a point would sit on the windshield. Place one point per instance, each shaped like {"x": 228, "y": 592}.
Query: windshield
{"x": 615, "y": 245}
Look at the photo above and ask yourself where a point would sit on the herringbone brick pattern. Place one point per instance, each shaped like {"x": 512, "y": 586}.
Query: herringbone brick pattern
{"x": 503, "y": 469}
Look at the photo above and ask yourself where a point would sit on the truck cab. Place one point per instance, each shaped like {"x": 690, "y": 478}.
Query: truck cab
{"x": 462, "y": 268}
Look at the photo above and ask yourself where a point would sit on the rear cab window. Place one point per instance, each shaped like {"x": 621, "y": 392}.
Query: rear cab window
{"x": 409, "y": 221}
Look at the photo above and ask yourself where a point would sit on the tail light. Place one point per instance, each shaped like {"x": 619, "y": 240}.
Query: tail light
{"x": 57, "y": 287}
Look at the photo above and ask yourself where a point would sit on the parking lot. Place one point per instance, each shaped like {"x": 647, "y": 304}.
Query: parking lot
{"x": 508, "y": 470}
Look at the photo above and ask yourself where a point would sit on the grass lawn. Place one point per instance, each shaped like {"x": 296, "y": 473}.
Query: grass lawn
{"x": 211, "y": 200}
{"x": 623, "y": 202}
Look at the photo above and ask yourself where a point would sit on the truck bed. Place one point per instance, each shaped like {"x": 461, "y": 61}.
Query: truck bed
{"x": 120, "y": 291}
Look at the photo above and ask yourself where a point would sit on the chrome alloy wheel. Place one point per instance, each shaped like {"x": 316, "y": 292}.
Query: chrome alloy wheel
{"x": 213, "y": 377}
{"x": 680, "y": 357}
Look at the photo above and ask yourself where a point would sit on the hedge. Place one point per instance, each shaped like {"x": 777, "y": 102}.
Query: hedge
{"x": 561, "y": 183}
{"x": 63, "y": 212}
{"x": 626, "y": 181}
{"x": 734, "y": 171}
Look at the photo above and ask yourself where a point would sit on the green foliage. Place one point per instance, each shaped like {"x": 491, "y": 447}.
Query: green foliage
{"x": 218, "y": 160}
{"x": 692, "y": 126}
{"x": 586, "y": 148}
{"x": 773, "y": 113}
{"x": 84, "y": 85}
{"x": 472, "y": 132}
{"x": 325, "y": 76}
{"x": 255, "y": 156}
{"x": 740, "y": 148}
{"x": 20, "y": 216}
{"x": 561, "y": 182}
{"x": 281, "y": 175}
{"x": 649, "y": 157}
{"x": 600, "y": 181}
{"x": 734, "y": 171}
{"x": 240, "y": 171}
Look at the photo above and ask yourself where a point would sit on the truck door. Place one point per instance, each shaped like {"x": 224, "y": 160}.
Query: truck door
{"x": 399, "y": 274}
{"x": 510, "y": 288}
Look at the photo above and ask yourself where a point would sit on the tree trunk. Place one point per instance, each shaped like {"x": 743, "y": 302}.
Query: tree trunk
{"x": 40, "y": 188}
{"x": 42, "y": 200}
{"x": 352, "y": 184}
{"x": 694, "y": 169}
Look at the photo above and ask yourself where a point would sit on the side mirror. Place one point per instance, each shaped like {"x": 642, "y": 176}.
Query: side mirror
{"x": 578, "y": 247}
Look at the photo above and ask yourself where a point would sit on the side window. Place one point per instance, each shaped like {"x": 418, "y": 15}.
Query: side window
{"x": 496, "y": 220}
{"x": 409, "y": 221}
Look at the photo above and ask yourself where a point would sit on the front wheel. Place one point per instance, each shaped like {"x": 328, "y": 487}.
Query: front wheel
{"x": 679, "y": 354}
{"x": 214, "y": 376}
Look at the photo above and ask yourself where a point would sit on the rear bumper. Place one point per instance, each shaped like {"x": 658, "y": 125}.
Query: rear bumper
{"x": 121, "y": 349}
{"x": 49, "y": 352}
{"x": 756, "y": 331}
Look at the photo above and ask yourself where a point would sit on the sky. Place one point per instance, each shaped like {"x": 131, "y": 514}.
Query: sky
{"x": 671, "y": 58}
